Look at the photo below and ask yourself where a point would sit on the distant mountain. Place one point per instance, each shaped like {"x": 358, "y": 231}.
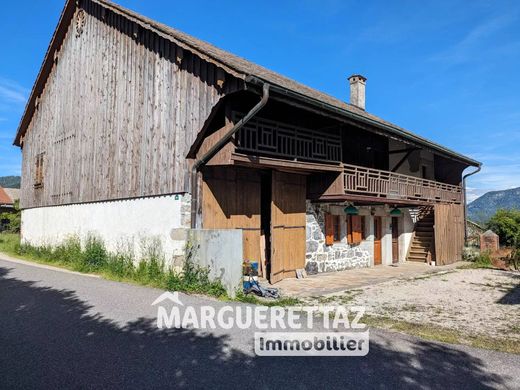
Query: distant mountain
{"x": 10, "y": 181}
{"x": 483, "y": 208}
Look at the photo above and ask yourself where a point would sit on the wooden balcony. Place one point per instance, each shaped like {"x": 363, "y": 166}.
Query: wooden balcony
{"x": 390, "y": 185}
{"x": 269, "y": 138}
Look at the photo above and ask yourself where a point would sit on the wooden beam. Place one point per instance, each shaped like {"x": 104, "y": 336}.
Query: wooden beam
{"x": 401, "y": 161}
{"x": 403, "y": 150}
{"x": 269, "y": 162}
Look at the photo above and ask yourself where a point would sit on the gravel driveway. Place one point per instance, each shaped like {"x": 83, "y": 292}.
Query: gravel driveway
{"x": 472, "y": 301}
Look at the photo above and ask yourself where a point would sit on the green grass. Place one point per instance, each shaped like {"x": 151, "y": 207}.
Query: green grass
{"x": 92, "y": 257}
{"x": 254, "y": 300}
{"x": 445, "y": 335}
{"x": 483, "y": 260}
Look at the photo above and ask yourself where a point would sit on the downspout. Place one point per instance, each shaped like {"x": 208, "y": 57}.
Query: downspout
{"x": 215, "y": 149}
{"x": 466, "y": 203}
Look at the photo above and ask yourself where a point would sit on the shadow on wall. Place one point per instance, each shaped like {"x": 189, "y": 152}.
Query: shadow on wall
{"x": 49, "y": 339}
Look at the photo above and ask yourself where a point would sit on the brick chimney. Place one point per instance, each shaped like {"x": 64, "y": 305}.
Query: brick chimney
{"x": 357, "y": 90}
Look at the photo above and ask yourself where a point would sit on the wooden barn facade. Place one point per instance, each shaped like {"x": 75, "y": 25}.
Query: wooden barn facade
{"x": 134, "y": 130}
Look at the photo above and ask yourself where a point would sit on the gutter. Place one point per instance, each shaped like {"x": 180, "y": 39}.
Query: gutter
{"x": 363, "y": 119}
{"x": 199, "y": 163}
{"x": 465, "y": 202}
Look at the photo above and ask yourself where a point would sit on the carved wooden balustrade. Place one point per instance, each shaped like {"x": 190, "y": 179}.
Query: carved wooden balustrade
{"x": 266, "y": 137}
{"x": 390, "y": 185}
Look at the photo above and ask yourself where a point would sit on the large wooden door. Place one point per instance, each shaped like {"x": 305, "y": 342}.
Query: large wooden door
{"x": 449, "y": 233}
{"x": 377, "y": 240}
{"x": 395, "y": 240}
{"x": 231, "y": 200}
{"x": 287, "y": 225}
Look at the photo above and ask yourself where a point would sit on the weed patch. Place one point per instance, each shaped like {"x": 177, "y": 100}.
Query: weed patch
{"x": 93, "y": 257}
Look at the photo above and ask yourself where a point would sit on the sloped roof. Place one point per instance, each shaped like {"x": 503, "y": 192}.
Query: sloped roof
{"x": 13, "y": 193}
{"x": 4, "y": 198}
{"x": 239, "y": 67}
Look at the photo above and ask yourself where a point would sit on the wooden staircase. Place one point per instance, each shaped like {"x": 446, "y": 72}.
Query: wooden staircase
{"x": 423, "y": 237}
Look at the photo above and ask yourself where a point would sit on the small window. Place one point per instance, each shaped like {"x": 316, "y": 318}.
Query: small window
{"x": 355, "y": 229}
{"x": 38, "y": 173}
{"x": 332, "y": 229}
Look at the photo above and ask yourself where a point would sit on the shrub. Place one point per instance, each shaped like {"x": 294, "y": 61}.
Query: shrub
{"x": 483, "y": 260}
{"x": 11, "y": 221}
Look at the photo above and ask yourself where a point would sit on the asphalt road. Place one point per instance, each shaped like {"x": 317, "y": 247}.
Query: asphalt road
{"x": 64, "y": 330}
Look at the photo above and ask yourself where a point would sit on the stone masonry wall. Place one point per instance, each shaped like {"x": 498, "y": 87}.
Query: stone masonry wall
{"x": 328, "y": 258}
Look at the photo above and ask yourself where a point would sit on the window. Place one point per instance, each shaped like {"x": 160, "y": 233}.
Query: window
{"x": 38, "y": 172}
{"x": 355, "y": 229}
{"x": 332, "y": 229}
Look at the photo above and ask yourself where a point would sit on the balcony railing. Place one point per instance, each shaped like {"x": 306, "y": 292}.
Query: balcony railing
{"x": 390, "y": 185}
{"x": 266, "y": 137}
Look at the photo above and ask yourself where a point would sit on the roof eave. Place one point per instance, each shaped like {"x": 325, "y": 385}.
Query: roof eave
{"x": 253, "y": 80}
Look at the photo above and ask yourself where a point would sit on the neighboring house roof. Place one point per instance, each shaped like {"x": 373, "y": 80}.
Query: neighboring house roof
{"x": 475, "y": 225}
{"x": 4, "y": 198}
{"x": 13, "y": 193}
{"x": 234, "y": 65}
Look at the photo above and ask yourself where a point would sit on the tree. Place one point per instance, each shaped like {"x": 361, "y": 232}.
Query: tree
{"x": 506, "y": 223}
{"x": 12, "y": 219}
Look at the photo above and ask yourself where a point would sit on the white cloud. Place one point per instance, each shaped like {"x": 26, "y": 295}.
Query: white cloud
{"x": 474, "y": 42}
{"x": 12, "y": 93}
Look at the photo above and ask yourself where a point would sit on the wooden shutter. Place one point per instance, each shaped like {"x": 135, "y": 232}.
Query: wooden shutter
{"x": 349, "y": 230}
{"x": 329, "y": 229}
{"x": 356, "y": 229}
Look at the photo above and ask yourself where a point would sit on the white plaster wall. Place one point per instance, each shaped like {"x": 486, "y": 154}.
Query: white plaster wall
{"x": 406, "y": 232}
{"x": 122, "y": 224}
{"x": 386, "y": 241}
{"x": 220, "y": 251}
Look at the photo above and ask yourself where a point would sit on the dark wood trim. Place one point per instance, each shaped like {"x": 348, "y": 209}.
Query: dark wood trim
{"x": 403, "y": 150}
{"x": 370, "y": 200}
{"x": 270, "y": 162}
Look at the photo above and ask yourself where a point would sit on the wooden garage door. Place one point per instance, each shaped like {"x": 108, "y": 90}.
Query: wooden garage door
{"x": 287, "y": 225}
{"x": 231, "y": 200}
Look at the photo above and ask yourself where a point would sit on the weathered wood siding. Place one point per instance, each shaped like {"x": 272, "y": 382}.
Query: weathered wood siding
{"x": 118, "y": 115}
{"x": 231, "y": 200}
{"x": 449, "y": 233}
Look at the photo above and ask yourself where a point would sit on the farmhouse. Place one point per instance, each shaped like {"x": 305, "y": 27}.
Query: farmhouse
{"x": 135, "y": 131}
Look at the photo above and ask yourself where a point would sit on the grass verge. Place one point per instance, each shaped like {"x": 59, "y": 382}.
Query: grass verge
{"x": 445, "y": 335}
{"x": 92, "y": 257}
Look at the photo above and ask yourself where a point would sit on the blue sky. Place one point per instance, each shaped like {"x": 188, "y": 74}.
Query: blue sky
{"x": 447, "y": 70}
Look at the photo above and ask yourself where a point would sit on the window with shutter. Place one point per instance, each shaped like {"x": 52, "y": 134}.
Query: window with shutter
{"x": 355, "y": 229}
{"x": 38, "y": 171}
{"x": 329, "y": 229}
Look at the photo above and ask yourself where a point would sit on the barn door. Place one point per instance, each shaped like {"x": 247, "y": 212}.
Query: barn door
{"x": 287, "y": 225}
{"x": 231, "y": 200}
